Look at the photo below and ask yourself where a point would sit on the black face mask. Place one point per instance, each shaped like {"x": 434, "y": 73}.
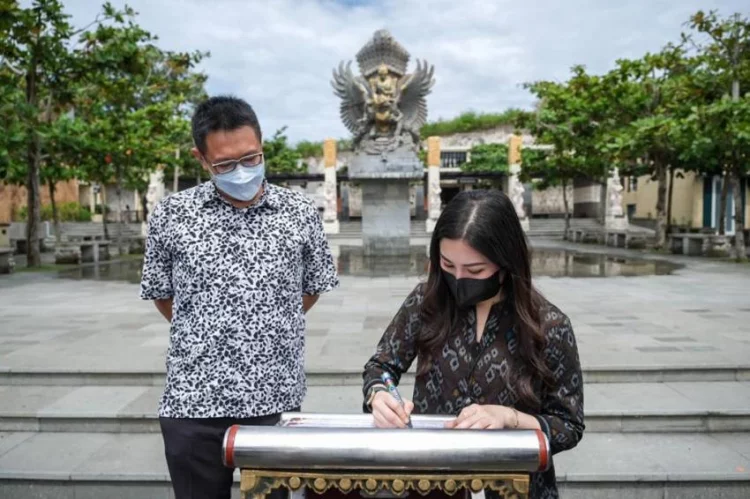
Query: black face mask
{"x": 468, "y": 292}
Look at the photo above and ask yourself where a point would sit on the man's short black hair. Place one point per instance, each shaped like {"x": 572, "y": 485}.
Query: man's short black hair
{"x": 222, "y": 113}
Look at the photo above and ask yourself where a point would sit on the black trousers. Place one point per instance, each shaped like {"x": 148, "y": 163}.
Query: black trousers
{"x": 194, "y": 455}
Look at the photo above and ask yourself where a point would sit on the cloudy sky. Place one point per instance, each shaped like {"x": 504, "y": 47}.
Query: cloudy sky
{"x": 278, "y": 54}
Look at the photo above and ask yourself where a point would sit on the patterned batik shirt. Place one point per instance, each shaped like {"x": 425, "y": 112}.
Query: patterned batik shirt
{"x": 469, "y": 372}
{"x": 236, "y": 276}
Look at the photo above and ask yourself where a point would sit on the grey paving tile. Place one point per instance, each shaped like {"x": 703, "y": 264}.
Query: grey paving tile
{"x": 10, "y": 440}
{"x": 95, "y": 400}
{"x": 54, "y": 454}
{"x": 132, "y": 456}
{"x": 29, "y": 399}
{"x": 675, "y": 339}
{"x": 657, "y": 349}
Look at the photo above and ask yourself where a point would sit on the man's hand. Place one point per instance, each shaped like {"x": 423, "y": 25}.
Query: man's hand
{"x": 308, "y": 301}
{"x": 165, "y": 307}
{"x": 483, "y": 417}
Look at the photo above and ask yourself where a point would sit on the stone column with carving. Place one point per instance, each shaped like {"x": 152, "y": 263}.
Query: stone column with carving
{"x": 515, "y": 187}
{"x": 434, "y": 205}
{"x": 330, "y": 211}
{"x": 615, "y": 219}
{"x": 154, "y": 194}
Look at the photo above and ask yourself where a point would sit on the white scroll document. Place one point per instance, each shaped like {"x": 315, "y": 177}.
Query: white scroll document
{"x": 356, "y": 420}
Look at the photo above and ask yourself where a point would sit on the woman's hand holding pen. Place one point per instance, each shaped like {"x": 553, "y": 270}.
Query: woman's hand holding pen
{"x": 388, "y": 412}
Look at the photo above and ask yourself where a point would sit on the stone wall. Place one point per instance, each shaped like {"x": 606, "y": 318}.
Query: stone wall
{"x": 13, "y": 197}
{"x": 499, "y": 135}
{"x": 550, "y": 201}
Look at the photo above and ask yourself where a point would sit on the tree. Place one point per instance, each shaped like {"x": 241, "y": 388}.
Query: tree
{"x": 573, "y": 118}
{"x": 658, "y": 103}
{"x": 487, "y": 158}
{"x": 727, "y": 56}
{"x": 137, "y": 90}
{"x": 279, "y": 157}
{"x": 34, "y": 52}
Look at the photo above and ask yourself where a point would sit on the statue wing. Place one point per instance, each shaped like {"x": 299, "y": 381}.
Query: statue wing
{"x": 352, "y": 90}
{"x": 413, "y": 89}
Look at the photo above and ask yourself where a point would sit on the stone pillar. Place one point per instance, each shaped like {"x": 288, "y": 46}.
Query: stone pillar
{"x": 515, "y": 187}
{"x": 615, "y": 218}
{"x": 433, "y": 183}
{"x": 330, "y": 206}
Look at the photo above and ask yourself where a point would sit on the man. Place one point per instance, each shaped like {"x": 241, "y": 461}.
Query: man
{"x": 233, "y": 264}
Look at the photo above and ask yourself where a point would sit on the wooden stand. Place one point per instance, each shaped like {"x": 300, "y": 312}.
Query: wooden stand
{"x": 255, "y": 484}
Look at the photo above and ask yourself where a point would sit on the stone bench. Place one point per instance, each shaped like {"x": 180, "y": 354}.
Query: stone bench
{"x": 691, "y": 244}
{"x": 94, "y": 251}
{"x": 625, "y": 239}
{"x": 6, "y": 260}
{"x": 84, "y": 251}
{"x": 586, "y": 236}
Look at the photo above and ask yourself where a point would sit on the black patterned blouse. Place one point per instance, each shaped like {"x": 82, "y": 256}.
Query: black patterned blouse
{"x": 469, "y": 372}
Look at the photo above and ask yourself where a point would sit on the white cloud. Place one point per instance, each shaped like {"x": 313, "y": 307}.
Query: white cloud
{"x": 278, "y": 54}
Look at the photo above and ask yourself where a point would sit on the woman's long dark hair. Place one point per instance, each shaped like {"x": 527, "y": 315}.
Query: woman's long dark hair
{"x": 486, "y": 221}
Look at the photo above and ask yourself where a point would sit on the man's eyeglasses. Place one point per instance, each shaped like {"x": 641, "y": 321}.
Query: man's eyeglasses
{"x": 248, "y": 161}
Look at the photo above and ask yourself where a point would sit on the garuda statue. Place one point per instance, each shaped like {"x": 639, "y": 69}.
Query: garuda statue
{"x": 385, "y": 107}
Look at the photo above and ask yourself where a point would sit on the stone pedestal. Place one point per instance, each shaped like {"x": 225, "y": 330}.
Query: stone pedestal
{"x": 615, "y": 218}
{"x": 386, "y": 209}
{"x": 385, "y": 217}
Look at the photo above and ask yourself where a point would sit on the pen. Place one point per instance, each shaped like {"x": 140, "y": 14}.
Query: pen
{"x": 391, "y": 386}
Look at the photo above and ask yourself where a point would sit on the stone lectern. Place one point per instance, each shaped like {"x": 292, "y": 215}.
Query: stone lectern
{"x": 328, "y": 455}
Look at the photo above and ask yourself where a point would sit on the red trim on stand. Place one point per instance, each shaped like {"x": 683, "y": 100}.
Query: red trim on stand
{"x": 543, "y": 454}
{"x": 229, "y": 451}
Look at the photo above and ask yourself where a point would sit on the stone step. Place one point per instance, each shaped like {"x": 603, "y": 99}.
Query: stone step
{"x": 604, "y": 465}
{"x": 318, "y": 376}
{"x": 626, "y": 408}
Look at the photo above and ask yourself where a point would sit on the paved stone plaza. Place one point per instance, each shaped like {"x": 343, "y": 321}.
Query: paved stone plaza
{"x": 666, "y": 361}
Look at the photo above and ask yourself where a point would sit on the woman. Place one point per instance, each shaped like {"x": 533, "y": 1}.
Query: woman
{"x": 489, "y": 348}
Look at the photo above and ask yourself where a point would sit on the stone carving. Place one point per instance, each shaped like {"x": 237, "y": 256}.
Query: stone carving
{"x": 433, "y": 193}
{"x": 155, "y": 191}
{"x": 516, "y": 195}
{"x": 384, "y": 107}
{"x": 329, "y": 207}
{"x": 614, "y": 188}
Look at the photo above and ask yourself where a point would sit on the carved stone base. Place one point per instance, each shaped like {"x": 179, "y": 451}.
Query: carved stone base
{"x": 430, "y": 225}
{"x": 525, "y": 224}
{"x": 331, "y": 227}
{"x": 616, "y": 223}
{"x": 255, "y": 484}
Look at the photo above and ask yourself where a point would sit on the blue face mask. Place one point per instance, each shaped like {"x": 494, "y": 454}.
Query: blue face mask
{"x": 242, "y": 183}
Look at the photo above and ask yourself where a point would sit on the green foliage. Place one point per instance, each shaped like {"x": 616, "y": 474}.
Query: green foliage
{"x": 487, "y": 158}
{"x": 307, "y": 149}
{"x": 471, "y": 121}
{"x": 67, "y": 212}
{"x": 279, "y": 157}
